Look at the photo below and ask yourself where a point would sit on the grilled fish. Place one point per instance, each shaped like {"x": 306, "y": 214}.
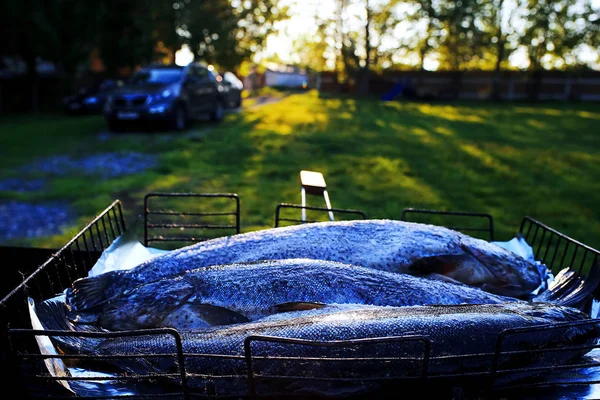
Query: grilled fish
{"x": 388, "y": 245}
{"x": 461, "y": 338}
{"x": 236, "y": 293}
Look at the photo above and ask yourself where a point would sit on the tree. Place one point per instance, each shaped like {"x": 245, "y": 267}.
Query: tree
{"x": 311, "y": 50}
{"x": 499, "y": 19}
{"x": 428, "y": 38}
{"x": 125, "y": 39}
{"x": 60, "y": 31}
{"x": 227, "y": 32}
{"x": 552, "y": 30}
{"x": 462, "y": 43}
{"x": 359, "y": 48}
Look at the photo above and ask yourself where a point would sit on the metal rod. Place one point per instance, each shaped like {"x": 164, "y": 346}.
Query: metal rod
{"x": 537, "y": 253}
{"x": 547, "y": 247}
{"x": 105, "y": 232}
{"x": 562, "y": 260}
{"x": 303, "y": 194}
{"x": 556, "y": 247}
{"x": 82, "y": 270}
{"x": 190, "y": 226}
{"x": 237, "y": 213}
{"x": 328, "y": 204}
{"x": 471, "y": 215}
{"x": 193, "y": 214}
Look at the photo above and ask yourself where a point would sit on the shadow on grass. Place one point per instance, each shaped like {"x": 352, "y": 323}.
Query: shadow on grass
{"x": 509, "y": 160}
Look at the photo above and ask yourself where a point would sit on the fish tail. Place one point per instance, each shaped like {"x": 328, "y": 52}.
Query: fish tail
{"x": 87, "y": 293}
{"x": 570, "y": 289}
{"x": 53, "y": 316}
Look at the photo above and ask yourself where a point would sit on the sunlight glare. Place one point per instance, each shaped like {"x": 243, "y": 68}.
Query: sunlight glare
{"x": 184, "y": 56}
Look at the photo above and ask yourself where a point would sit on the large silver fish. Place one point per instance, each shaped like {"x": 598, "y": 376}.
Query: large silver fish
{"x": 240, "y": 292}
{"x": 388, "y": 245}
{"x": 462, "y": 338}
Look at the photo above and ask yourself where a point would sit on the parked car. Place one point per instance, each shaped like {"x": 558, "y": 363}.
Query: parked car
{"x": 91, "y": 99}
{"x": 232, "y": 89}
{"x": 167, "y": 93}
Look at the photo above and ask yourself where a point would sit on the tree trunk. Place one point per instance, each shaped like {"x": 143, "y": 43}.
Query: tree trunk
{"x": 423, "y": 53}
{"x": 364, "y": 72}
{"x": 425, "y": 47}
{"x": 339, "y": 56}
{"x": 535, "y": 58}
{"x": 498, "y": 70}
{"x": 501, "y": 48}
{"x": 172, "y": 55}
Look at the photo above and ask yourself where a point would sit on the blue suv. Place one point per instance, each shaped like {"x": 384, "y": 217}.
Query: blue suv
{"x": 169, "y": 93}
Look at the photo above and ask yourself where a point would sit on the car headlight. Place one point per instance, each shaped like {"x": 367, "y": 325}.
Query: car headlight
{"x": 164, "y": 95}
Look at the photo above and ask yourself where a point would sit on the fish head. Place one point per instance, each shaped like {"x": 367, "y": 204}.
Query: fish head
{"x": 456, "y": 268}
{"x": 507, "y": 273}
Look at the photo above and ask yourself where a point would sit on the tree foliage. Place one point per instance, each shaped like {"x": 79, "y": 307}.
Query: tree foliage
{"x": 131, "y": 33}
{"x": 458, "y": 34}
{"x": 59, "y": 31}
{"x": 554, "y": 28}
{"x": 128, "y": 33}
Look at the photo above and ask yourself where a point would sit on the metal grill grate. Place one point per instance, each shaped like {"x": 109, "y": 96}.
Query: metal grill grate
{"x": 71, "y": 262}
{"x": 284, "y": 215}
{"x": 173, "y": 220}
{"x": 173, "y": 383}
{"x": 419, "y": 363}
{"x": 76, "y": 258}
{"x": 79, "y": 255}
{"x": 557, "y": 250}
{"x": 471, "y": 223}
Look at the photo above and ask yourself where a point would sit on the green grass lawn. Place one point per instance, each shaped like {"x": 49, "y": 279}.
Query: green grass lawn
{"x": 509, "y": 160}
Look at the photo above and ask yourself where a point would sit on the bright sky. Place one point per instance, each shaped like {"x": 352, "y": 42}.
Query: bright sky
{"x": 302, "y": 22}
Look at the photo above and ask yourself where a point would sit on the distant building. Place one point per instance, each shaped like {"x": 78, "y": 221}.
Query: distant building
{"x": 286, "y": 76}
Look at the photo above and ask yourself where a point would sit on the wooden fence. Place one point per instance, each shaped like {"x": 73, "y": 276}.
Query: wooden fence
{"x": 513, "y": 85}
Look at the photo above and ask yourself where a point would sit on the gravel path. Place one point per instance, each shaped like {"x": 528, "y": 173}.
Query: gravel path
{"x": 21, "y": 220}
{"x": 106, "y": 165}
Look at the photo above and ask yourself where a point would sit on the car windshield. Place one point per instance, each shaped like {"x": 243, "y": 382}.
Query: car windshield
{"x": 159, "y": 75}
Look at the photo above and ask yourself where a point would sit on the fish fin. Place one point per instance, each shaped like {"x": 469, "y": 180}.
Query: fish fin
{"x": 86, "y": 293}
{"x": 53, "y": 316}
{"x": 563, "y": 282}
{"x": 298, "y": 306}
{"x": 76, "y": 317}
{"x": 442, "y": 264}
{"x": 216, "y": 315}
{"x": 570, "y": 289}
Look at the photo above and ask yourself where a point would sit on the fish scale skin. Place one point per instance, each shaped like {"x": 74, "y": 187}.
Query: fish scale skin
{"x": 386, "y": 245}
{"x": 254, "y": 289}
{"x": 453, "y": 330}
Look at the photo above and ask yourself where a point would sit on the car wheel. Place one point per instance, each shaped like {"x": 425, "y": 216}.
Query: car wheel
{"x": 178, "y": 119}
{"x": 218, "y": 112}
